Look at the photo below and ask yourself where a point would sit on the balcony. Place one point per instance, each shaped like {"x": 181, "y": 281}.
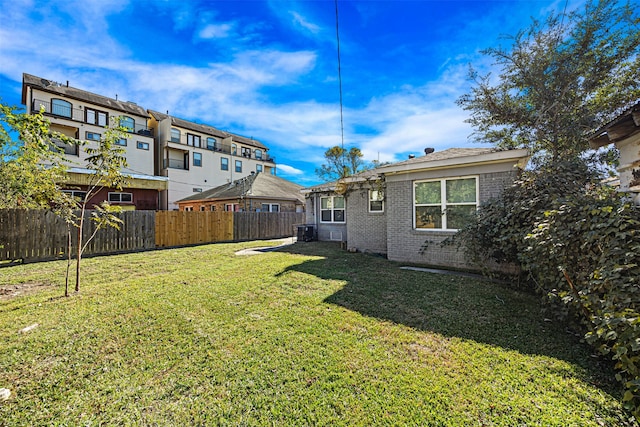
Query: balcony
{"x": 175, "y": 164}
{"x": 59, "y": 145}
{"x": 78, "y": 115}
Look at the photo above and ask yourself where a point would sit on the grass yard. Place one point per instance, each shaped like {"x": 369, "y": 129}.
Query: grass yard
{"x": 306, "y": 335}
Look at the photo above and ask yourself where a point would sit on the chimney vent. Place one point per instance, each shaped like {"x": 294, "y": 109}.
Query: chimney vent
{"x": 412, "y": 156}
{"x": 429, "y": 150}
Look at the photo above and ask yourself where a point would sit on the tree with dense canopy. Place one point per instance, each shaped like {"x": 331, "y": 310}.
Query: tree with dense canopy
{"x": 560, "y": 79}
{"x": 341, "y": 163}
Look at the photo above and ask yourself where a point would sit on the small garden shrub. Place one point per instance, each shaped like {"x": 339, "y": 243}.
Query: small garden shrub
{"x": 579, "y": 245}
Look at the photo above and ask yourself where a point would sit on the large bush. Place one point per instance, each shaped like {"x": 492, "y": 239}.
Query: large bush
{"x": 578, "y": 243}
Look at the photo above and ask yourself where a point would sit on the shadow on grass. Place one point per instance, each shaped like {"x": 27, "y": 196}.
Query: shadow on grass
{"x": 452, "y": 306}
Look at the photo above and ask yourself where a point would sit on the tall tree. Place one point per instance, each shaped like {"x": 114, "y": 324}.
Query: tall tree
{"x": 340, "y": 163}
{"x": 559, "y": 79}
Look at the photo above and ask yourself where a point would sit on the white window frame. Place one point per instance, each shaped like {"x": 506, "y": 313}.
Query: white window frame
{"x": 112, "y": 199}
{"x": 331, "y": 208}
{"x": 443, "y": 201}
{"x": 188, "y": 208}
{"x": 379, "y": 197}
{"x": 269, "y": 207}
{"x": 230, "y": 207}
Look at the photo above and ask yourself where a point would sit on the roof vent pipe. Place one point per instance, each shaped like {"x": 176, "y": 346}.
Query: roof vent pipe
{"x": 412, "y": 156}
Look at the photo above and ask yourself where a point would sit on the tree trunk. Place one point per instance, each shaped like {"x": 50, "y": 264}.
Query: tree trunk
{"x": 66, "y": 276}
{"x": 79, "y": 251}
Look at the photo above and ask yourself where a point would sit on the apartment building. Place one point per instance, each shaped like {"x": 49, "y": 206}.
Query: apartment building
{"x": 83, "y": 116}
{"x": 198, "y": 157}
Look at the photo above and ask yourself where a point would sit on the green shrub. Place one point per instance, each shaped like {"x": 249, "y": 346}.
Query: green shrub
{"x": 579, "y": 245}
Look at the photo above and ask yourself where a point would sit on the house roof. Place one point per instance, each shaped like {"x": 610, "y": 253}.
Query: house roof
{"x": 259, "y": 185}
{"x": 206, "y": 129}
{"x": 456, "y": 157}
{"x": 79, "y": 94}
{"x": 450, "y": 158}
{"x": 623, "y": 126}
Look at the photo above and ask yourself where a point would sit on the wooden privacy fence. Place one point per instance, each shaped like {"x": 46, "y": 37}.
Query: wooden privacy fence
{"x": 34, "y": 235}
{"x": 175, "y": 228}
{"x": 265, "y": 225}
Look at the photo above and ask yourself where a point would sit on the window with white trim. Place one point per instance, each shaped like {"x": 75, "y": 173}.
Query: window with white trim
{"x": 270, "y": 207}
{"x": 232, "y": 207}
{"x": 376, "y": 201}
{"x": 76, "y": 194}
{"x": 332, "y": 209}
{"x": 120, "y": 197}
{"x": 188, "y": 208}
{"x": 444, "y": 204}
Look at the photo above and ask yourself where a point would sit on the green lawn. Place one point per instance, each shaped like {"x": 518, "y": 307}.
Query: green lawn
{"x": 307, "y": 335}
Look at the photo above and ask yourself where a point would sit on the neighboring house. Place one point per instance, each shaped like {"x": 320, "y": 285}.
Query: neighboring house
{"x": 258, "y": 192}
{"x": 83, "y": 115}
{"x": 197, "y": 157}
{"x": 405, "y": 210}
{"x": 624, "y": 132}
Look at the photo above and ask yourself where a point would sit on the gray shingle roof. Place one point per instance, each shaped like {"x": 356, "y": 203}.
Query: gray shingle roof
{"x": 450, "y": 153}
{"x": 80, "y": 95}
{"x": 259, "y": 185}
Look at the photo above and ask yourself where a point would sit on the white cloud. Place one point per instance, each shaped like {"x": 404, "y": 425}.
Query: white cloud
{"x": 216, "y": 31}
{"x": 302, "y": 22}
{"x": 289, "y": 170}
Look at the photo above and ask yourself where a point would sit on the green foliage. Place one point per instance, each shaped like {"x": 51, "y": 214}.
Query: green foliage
{"x": 579, "y": 243}
{"x": 340, "y": 163}
{"x": 559, "y": 79}
{"x": 31, "y": 168}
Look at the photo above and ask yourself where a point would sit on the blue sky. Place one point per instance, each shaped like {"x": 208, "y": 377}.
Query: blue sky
{"x": 268, "y": 69}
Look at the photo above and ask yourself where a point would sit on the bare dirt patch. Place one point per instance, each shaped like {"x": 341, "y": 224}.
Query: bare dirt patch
{"x": 12, "y": 291}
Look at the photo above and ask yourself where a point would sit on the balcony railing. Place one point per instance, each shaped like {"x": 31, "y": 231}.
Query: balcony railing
{"x": 225, "y": 149}
{"x": 78, "y": 115}
{"x": 175, "y": 164}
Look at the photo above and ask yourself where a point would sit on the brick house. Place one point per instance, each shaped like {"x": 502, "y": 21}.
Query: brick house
{"x": 404, "y": 210}
{"x": 258, "y": 192}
